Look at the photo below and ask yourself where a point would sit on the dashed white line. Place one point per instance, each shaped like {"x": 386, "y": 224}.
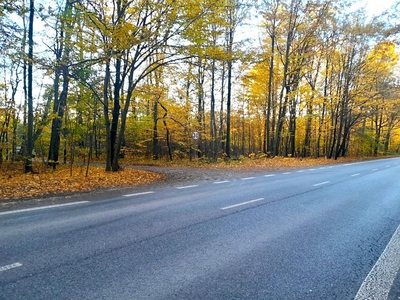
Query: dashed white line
{"x": 286, "y": 173}
{"x": 388, "y": 166}
{"x": 9, "y": 267}
{"x": 311, "y": 169}
{"x": 355, "y": 163}
{"x": 321, "y": 183}
{"x": 269, "y": 175}
{"x": 138, "y": 194}
{"x": 354, "y": 175}
{"x": 300, "y": 171}
{"x": 242, "y": 203}
{"x": 248, "y": 178}
{"x": 375, "y": 169}
{"x": 41, "y": 208}
{"x": 186, "y": 187}
{"x": 219, "y": 182}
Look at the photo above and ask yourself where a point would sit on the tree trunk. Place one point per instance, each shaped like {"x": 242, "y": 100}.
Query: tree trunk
{"x": 60, "y": 102}
{"x": 213, "y": 125}
{"x": 229, "y": 95}
{"x": 115, "y": 116}
{"x": 221, "y": 111}
{"x": 106, "y": 84}
{"x": 29, "y": 136}
{"x": 268, "y": 129}
{"x": 378, "y": 130}
{"x": 155, "y": 132}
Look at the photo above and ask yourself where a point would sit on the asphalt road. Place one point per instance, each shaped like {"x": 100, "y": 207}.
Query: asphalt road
{"x": 323, "y": 233}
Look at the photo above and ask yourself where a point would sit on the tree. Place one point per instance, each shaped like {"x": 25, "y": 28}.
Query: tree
{"x": 138, "y": 38}
{"x": 62, "y": 61}
{"x": 29, "y": 136}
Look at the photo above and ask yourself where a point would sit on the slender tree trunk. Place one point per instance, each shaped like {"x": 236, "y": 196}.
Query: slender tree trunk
{"x": 200, "y": 105}
{"x": 378, "y": 130}
{"x": 29, "y": 143}
{"x": 106, "y": 85}
{"x": 229, "y": 95}
{"x": 221, "y": 111}
{"x": 267, "y": 141}
{"x": 115, "y": 115}
{"x": 155, "y": 132}
{"x": 168, "y": 135}
{"x": 307, "y": 136}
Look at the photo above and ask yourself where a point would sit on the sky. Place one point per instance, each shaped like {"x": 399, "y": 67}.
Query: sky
{"x": 376, "y": 7}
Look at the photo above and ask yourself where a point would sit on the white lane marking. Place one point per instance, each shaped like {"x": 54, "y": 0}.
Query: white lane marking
{"x": 388, "y": 166}
{"x": 242, "y": 203}
{"x": 41, "y": 207}
{"x": 269, "y": 175}
{"x": 355, "y": 174}
{"x": 321, "y": 183}
{"x": 138, "y": 194}
{"x": 248, "y": 178}
{"x": 219, "y": 182}
{"x": 375, "y": 169}
{"x": 379, "y": 280}
{"x": 355, "y": 163}
{"x": 286, "y": 173}
{"x": 9, "y": 267}
{"x": 311, "y": 169}
{"x": 300, "y": 171}
{"x": 186, "y": 187}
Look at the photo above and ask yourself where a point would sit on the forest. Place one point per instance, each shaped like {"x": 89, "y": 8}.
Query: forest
{"x": 105, "y": 80}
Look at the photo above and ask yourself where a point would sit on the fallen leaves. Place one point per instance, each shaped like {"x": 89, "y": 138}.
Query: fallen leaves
{"x": 15, "y": 184}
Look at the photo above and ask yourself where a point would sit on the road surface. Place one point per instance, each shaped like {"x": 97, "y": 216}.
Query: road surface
{"x": 321, "y": 233}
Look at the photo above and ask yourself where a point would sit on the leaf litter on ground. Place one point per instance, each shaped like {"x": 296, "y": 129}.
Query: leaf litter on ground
{"x": 15, "y": 184}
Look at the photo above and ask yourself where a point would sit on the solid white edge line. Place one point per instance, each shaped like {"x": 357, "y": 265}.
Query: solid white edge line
{"x": 41, "y": 207}
{"x": 242, "y": 203}
{"x": 186, "y": 187}
{"x": 138, "y": 194}
{"x": 379, "y": 280}
{"x": 321, "y": 183}
{"x": 9, "y": 267}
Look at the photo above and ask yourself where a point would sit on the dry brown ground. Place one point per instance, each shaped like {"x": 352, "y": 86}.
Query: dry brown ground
{"x": 15, "y": 184}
